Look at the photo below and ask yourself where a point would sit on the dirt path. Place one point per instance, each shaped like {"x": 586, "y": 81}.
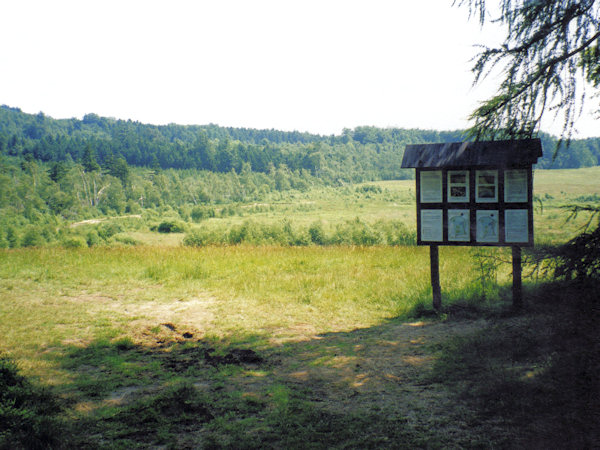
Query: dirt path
{"x": 104, "y": 219}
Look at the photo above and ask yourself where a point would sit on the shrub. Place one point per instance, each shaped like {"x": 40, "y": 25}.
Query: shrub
{"x": 92, "y": 238}
{"x": 127, "y": 240}
{"x": 199, "y": 238}
{"x": 133, "y": 207}
{"x": 395, "y": 232}
{"x": 317, "y": 234}
{"x": 363, "y": 234}
{"x": 229, "y": 211}
{"x": 32, "y": 237}
{"x": 73, "y": 242}
{"x": 369, "y": 188}
{"x": 12, "y": 237}
{"x": 28, "y": 414}
{"x": 356, "y": 232}
{"x": 184, "y": 212}
{"x": 171, "y": 226}
{"x": 302, "y": 238}
{"x": 200, "y": 213}
{"x": 353, "y": 232}
{"x": 249, "y": 232}
{"x": 195, "y": 239}
{"x": 108, "y": 230}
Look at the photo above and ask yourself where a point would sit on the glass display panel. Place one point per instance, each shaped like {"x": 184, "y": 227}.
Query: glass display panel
{"x": 516, "y": 226}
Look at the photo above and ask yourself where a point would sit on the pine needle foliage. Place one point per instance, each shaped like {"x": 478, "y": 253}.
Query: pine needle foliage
{"x": 550, "y": 61}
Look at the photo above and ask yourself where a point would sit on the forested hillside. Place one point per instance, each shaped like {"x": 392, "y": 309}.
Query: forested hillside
{"x": 56, "y": 172}
{"x": 365, "y": 153}
{"x": 362, "y": 154}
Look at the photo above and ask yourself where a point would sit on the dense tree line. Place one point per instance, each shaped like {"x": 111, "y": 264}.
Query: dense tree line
{"x": 364, "y": 153}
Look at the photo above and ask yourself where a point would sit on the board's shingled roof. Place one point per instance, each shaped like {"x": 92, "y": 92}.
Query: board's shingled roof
{"x": 473, "y": 154}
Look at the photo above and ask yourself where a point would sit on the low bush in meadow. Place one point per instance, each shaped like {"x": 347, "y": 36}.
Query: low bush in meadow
{"x": 351, "y": 232}
{"x": 171, "y": 226}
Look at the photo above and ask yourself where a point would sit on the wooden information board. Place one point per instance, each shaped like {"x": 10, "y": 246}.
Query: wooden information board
{"x": 474, "y": 193}
{"x": 483, "y": 206}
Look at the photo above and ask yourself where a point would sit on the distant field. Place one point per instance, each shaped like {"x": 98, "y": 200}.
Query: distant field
{"x": 395, "y": 200}
{"x": 570, "y": 183}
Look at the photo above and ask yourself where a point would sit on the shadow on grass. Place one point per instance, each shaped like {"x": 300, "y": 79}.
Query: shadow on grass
{"x": 533, "y": 376}
{"x": 478, "y": 376}
{"x": 186, "y": 393}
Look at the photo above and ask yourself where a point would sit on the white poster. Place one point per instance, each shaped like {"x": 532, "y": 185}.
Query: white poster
{"x": 431, "y": 225}
{"x": 486, "y": 186}
{"x": 487, "y": 226}
{"x": 459, "y": 228}
{"x": 431, "y": 186}
{"x": 516, "y": 225}
{"x": 458, "y": 186}
{"x": 515, "y": 185}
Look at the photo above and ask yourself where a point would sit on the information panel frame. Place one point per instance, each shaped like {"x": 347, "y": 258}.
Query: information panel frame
{"x": 497, "y": 203}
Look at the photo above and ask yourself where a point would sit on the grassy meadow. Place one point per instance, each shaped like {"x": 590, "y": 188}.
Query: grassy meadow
{"x": 324, "y": 346}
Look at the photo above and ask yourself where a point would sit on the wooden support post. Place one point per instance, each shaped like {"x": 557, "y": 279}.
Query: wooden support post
{"x": 434, "y": 259}
{"x": 516, "y": 270}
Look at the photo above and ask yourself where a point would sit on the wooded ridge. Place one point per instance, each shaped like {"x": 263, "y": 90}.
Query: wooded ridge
{"x": 361, "y": 154}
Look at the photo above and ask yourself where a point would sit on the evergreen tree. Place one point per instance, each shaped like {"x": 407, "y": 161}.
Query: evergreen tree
{"x": 12, "y": 237}
{"x": 550, "y": 47}
{"x": 118, "y": 168}
{"x": 155, "y": 165}
{"x": 58, "y": 170}
{"x": 88, "y": 160}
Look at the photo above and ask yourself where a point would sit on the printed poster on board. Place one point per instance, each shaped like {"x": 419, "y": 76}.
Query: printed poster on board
{"x": 515, "y": 186}
{"x": 516, "y": 226}
{"x": 431, "y": 186}
{"x": 458, "y": 186}
{"x": 486, "y": 186}
{"x": 487, "y": 226}
{"x": 432, "y": 228}
{"x": 459, "y": 225}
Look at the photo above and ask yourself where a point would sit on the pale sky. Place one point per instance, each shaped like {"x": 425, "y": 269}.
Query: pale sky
{"x": 307, "y": 65}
